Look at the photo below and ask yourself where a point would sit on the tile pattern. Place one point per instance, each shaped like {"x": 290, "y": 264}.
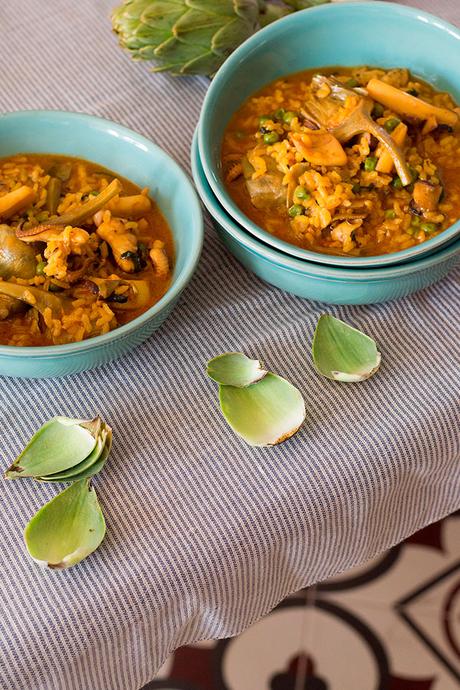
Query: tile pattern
{"x": 391, "y": 624}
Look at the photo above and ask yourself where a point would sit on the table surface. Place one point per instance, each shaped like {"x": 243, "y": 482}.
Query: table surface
{"x": 205, "y": 535}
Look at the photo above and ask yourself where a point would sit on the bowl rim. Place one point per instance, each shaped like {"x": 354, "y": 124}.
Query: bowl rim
{"x": 220, "y": 83}
{"x": 179, "y": 282}
{"x": 300, "y": 266}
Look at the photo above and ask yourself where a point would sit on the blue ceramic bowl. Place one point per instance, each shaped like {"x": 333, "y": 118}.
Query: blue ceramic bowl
{"x": 315, "y": 281}
{"x": 139, "y": 160}
{"x": 373, "y": 33}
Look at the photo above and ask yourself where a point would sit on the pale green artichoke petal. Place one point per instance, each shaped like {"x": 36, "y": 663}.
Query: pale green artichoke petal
{"x": 66, "y": 529}
{"x": 343, "y": 353}
{"x": 58, "y": 445}
{"x": 264, "y": 413}
{"x": 88, "y": 471}
{"x": 235, "y": 369}
{"x": 85, "y": 464}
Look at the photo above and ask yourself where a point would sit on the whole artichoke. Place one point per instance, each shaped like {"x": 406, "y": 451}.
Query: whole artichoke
{"x": 192, "y": 36}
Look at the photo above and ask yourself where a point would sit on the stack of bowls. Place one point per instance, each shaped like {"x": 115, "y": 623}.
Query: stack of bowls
{"x": 374, "y": 33}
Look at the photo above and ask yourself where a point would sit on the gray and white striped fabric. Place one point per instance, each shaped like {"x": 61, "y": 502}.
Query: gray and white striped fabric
{"x": 205, "y": 535}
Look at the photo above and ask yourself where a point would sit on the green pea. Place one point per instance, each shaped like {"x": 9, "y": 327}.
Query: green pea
{"x": 271, "y": 138}
{"x": 428, "y": 227}
{"x": 264, "y": 118}
{"x": 411, "y": 230}
{"x": 415, "y": 221}
{"x": 40, "y": 268}
{"x": 279, "y": 114}
{"x": 370, "y": 163}
{"x": 296, "y": 210}
{"x": 351, "y": 83}
{"x": 289, "y": 116}
{"x": 377, "y": 110}
{"x": 390, "y": 214}
{"x": 391, "y": 124}
{"x": 302, "y": 193}
{"x": 397, "y": 183}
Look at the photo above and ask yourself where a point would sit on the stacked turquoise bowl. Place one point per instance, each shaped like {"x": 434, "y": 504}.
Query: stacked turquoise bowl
{"x": 373, "y": 33}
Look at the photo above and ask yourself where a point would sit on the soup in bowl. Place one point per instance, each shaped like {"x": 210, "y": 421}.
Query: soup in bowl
{"x": 351, "y": 162}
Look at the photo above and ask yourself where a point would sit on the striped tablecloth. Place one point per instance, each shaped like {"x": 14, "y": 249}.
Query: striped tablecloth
{"x": 205, "y": 535}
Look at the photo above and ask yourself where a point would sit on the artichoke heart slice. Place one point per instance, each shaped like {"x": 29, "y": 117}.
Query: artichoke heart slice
{"x": 235, "y": 369}
{"x": 342, "y": 353}
{"x": 266, "y": 412}
{"x": 66, "y": 529}
{"x": 60, "y": 444}
{"x": 92, "y": 465}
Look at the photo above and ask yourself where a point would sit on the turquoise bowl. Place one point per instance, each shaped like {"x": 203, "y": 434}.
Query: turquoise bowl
{"x": 373, "y": 33}
{"x": 139, "y": 160}
{"x": 330, "y": 284}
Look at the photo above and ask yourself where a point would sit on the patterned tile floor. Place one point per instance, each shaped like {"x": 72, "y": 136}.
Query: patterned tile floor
{"x": 393, "y": 624}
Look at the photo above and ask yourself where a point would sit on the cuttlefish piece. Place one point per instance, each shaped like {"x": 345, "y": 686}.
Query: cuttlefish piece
{"x": 60, "y": 244}
{"x": 355, "y": 119}
{"x": 134, "y": 206}
{"x": 122, "y": 242}
{"x": 408, "y": 105}
{"x": 15, "y": 201}
{"x": 320, "y": 147}
{"x": 76, "y": 237}
{"x": 426, "y": 196}
{"x": 159, "y": 259}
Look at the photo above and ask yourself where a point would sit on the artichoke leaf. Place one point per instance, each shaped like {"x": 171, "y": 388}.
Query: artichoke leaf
{"x": 343, "y": 353}
{"x": 235, "y": 369}
{"x": 88, "y": 462}
{"x": 61, "y": 443}
{"x": 96, "y": 468}
{"x": 66, "y": 529}
{"x": 264, "y": 413}
{"x": 77, "y": 473}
